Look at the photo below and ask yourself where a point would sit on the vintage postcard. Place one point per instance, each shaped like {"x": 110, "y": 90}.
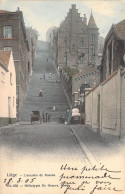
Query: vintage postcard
{"x": 62, "y": 97}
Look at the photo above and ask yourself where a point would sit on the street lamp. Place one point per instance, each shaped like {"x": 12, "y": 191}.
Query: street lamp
{"x": 82, "y": 103}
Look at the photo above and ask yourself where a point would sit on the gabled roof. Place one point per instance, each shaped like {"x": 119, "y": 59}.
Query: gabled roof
{"x": 4, "y": 58}
{"x": 91, "y": 23}
{"x": 120, "y": 29}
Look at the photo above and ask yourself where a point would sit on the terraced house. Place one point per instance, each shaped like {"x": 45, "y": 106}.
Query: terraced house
{"x": 13, "y": 37}
{"x": 7, "y": 88}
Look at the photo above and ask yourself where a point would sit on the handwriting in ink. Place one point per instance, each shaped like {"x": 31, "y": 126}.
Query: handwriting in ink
{"x": 104, "y": 188}
{"x": 66, "y": 167}
{"x": 95, "y": 168}
{"x": 105, "y": 175}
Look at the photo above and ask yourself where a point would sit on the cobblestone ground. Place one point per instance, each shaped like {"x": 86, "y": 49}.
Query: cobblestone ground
{"x": 41, "y": 140}
{"x": 38, "y": 149}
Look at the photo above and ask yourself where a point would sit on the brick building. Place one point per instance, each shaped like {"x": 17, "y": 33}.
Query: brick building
{"x": 77, "y": 41}
{"x": 13, "y": 37}
{"x": 114, "y": 49}
{"x": 105, "y": 104}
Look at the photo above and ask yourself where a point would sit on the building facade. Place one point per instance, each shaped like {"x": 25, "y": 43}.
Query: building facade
{"x": 51, "y": 38}
{"x": 32, "y": 37}
{"x": 114, "y": 49}
{"x": 13, "y": 37}
{"x": 105, "y": 107}
{"x": 7, "y": 88}
{"x": 104, "y": 104}
{"x": 77, "y": 41}
{"x": 85, "y": 79}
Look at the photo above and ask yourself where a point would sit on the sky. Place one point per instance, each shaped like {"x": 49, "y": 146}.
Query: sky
{"x": 44, "y": 14}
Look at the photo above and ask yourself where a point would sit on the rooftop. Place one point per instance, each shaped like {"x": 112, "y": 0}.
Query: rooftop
{"x": 4, "y": 11}
{"x": 82, "y": 72}
{"x": 4, "y": 57}
{"x": 120, "y": 29}
{"x": 91, "y": 22}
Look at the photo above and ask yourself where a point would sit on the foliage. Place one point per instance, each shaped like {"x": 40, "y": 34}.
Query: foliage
{"x": 33, "y": 31}
{"x": 70, "y": 71}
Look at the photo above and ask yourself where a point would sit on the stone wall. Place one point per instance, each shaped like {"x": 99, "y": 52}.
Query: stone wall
{"x": 105, "y": 107}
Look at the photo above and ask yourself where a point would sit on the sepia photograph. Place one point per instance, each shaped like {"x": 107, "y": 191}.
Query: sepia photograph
{"x": 62, "y": 97}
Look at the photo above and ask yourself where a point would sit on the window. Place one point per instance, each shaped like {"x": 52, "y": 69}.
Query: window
{"x": 92, "y": 48}
{"x": 11, "y": 79}
{"x": 8, "y": 48}
{"x": 92, "y": 37}
{"x": 65, "y": 57}
{"x": 3, "y": 77}
{"x": 65, "y": 41}
{"x": 81, "y": 42}
{"x": 7, "y": 31}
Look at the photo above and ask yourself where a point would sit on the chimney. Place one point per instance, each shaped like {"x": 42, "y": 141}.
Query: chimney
{"x": 18, "y": 9}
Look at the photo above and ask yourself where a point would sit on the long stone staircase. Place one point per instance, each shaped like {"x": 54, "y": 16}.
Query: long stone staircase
{"x": 53, "y": 93}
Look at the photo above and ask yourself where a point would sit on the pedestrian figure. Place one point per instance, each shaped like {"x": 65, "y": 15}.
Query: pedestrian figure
{"x": 43, "y": 116}
{"x": 44, "y": 76}
{"x": 47, "y": 59}
{"x": 49, "y": 118}
{"x": 54, "y": 108}
{"x": 40, "y": 119}
{"x": 40, "y": 93}
{"x": 46, "y": 116}
{"x": 50, "y": 75}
